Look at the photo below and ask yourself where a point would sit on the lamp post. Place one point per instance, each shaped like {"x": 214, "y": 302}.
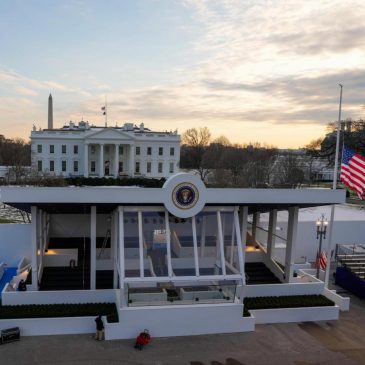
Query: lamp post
{"x": 321, "y": 224}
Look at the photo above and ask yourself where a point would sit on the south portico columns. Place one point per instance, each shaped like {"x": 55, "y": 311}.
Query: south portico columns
{"x": 116, "y": 160}
{"x": 86, "y": 160}
{"x": 131, "y": 160}
{"x": 101, "y": 159}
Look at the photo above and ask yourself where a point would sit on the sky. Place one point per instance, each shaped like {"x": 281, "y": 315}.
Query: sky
{"x": 252, "y": 70}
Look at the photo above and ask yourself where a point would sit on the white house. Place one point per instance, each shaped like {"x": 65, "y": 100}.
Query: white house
{"x": 86, "y": 150}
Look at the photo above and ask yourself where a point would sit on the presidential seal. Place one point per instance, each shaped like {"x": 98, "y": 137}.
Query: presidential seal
{"x": 185, "y": 195}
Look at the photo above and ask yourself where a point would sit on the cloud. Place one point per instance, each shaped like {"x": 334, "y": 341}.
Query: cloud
{"x": 258, "y": 64}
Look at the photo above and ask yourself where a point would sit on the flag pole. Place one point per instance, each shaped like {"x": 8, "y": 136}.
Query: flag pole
{"x": 334, "y": 186}
{"x": 106, "y": 112}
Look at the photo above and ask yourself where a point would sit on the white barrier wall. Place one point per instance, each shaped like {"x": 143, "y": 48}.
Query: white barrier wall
{"x": 15, "y": 243}
{"x": 274, "y": 290}
{"x": 59, "y": 297}
{"x": 179, "y": 321}
{"x": 349, "y": 227}
{"x": 344, "y": 232}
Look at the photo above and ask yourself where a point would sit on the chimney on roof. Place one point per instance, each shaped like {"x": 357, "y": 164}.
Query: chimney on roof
{"x": 50, "y": 112}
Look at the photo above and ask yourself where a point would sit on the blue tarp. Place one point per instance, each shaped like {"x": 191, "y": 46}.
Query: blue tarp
{"x": 8, "y": 275}
{"x": 349, "y": 281}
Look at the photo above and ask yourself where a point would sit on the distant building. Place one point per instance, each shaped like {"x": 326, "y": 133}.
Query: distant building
{"x": 86, "y": 150}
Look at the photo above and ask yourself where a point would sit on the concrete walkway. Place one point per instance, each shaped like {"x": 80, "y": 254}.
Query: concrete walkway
{"x": 337, "y": 342}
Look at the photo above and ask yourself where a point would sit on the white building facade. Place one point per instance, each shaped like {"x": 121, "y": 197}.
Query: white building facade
{"x": 89, "y": 151}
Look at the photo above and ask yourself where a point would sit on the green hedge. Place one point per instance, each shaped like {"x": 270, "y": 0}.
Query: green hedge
{"x": 127, "y": 181}
{"x": 295, "y": 301}
{"x": 60, "y": 310}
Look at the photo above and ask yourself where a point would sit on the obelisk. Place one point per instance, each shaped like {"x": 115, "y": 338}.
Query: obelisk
{"x": 50, "y": 112}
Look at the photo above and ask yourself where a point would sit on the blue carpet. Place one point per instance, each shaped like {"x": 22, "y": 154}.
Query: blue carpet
{"x": 8, "y": 275}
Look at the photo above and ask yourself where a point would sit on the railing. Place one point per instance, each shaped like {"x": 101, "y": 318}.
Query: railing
{"x": 181, "y": 295}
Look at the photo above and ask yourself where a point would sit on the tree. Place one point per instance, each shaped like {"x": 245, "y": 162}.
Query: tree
{"x": 314, "y": 154}
{"x": 290, "y": 171}
{"x": 16, "y": 155}
{"x": 196, "y": 141}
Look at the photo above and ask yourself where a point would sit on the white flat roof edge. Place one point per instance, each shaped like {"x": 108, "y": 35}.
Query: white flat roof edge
{"x": 134, "y": 195}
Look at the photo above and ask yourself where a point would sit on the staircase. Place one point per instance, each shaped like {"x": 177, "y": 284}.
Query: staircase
{"x": 78, "y": 278}
{"x": 259, "y": 273}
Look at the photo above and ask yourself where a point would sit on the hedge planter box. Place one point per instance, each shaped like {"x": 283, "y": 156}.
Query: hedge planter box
{"x": 287, "y": 315}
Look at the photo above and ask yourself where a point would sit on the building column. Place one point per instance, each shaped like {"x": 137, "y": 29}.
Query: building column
{"x": 86, "y": 160}
{"x": 195, "y": 246}
{"x": 242, "y": 218}
{"x": 39, "y": 242}
{"x": 168, "y": 244}
{"x": 93, "y": 248}
{"x": 101, "y": 160}
{"x": 255, "y": 223}
{"x": 34, "y": 213}
{"x": 114, "y": 249}
{"x": 116, "y": 161}
{"x": 131, "y": 160}
{"x": 291, "y": 243}
{"x": 271, "y": 232}
{"x": 221, "y": 242}
{"x": 140, "y": 236}
{"x": 202, "y": 236}
{"x": 120, "y": 223}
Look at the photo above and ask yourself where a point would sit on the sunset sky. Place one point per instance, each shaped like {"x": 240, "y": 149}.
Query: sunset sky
{"x": 251, "y": 70}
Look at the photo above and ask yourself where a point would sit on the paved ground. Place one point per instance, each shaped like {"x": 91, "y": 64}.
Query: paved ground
{"x": 336, "y": 342}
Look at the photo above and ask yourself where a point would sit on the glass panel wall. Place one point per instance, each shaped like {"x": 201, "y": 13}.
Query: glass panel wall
{"x": 182, "y": 246}
{"x": 208, "y": 244}
{"x": 131, "y": 245}
{"x": 230, "y": 243}
{"x": 155, "y": 240}
{"x": 178, "y": 294}
{"x": 146, "y": 256}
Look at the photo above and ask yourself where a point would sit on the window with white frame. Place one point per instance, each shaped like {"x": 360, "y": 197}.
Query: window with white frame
{"x": 171, "y": 168}
{"x": 160, "y": 167}
{"x": 138, "y": 167}
{"x": 138, "y": 151}
{"x": 64, "y": 166}
{"x": 51, "y": 165}
{"x": 63, "y": 148}
{"x": 76, "y": 166}
{"x": 149, "y": 167}
{"x": 51, "y": 148}
{"x": 92, "y": 166}
{"x": 39, "y": 165}
{"x": 39, "y": 148}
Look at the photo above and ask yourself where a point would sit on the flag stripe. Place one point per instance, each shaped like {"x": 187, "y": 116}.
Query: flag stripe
{"x": 353, "y": 171}
{"x": 354, "y": 179}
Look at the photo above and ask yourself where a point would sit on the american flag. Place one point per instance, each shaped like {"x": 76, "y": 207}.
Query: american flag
{"x": 321, "y": 261}
{"x": 353, "y": 171}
